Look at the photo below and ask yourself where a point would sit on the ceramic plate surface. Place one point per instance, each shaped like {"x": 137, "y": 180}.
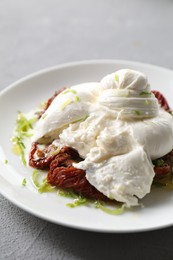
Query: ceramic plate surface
{"x": 26, "y": 94}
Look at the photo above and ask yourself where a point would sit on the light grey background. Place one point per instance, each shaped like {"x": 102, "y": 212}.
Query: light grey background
{"x": 36, "y": 34}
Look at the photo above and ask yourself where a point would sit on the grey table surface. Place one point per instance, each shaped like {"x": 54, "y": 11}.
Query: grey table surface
{"x": 36, "y": 34}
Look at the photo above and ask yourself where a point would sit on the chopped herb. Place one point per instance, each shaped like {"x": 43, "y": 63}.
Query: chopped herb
{"x": 55, "y": 152}
{"x": 41, "y": 185}
{"x": 147, "y": 102}
{"x": 144, "y": 93}
{"x": 116, "y": 211}
{"x": 78, "y": 202}
{"x": 6, "y": 161}
{"x": 24, "y": 182}
{"x": 18, "y": 147}
{"x": 43, "y": 105}
{"x": 67, "y": 193}
{"x": 35, "y": 178}
{"x": 78, "y": 199}
{"x": 137, "y": 112}
{"x": 66, "y": 103}
{"x": 45, "y": 186}
{"x": 77, "y": 98}
{"x": 69, "y": 101}
{"x": 116, "y": 78}
{"x": 23, "y": 125}
{"x": 69, "y": 90}
{"x": 159, "y": 162}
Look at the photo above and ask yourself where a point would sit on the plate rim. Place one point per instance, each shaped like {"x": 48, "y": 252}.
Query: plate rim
{"x": 63, "y": 66}
{"x": 79, "y": 63}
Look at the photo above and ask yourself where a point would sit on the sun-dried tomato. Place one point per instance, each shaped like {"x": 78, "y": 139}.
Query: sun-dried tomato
{"x": 41, "y": 159}
{"x": 166, "y": 168}
{"x": 162, "y": 100}
{"x": 162, "y": 171}
{"x": 62, "y": 174}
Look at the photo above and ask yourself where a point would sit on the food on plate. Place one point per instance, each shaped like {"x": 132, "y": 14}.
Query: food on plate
{"x": 106, "y": 140}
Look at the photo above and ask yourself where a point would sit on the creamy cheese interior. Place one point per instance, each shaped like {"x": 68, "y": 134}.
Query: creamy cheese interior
{"x": 117, "y": 127}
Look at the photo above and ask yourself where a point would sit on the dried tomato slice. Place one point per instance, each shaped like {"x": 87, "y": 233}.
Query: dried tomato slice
{"x": 62, "y": 174}
{"x": 44, "y": 157}
{"x": 162, "y": 171}
{"x": 162, "y": 100}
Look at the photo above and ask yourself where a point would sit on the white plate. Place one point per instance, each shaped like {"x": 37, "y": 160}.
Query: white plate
{"x": 25, "y": 95}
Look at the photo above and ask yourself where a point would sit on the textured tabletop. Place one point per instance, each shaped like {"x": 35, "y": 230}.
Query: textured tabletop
{"x": 36, "y": 34}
